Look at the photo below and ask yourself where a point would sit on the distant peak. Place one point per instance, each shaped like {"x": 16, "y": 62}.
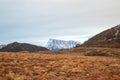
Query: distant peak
{"x": 54, "y": 44}
{"x": 62, "y": 40}
{"x": 54, "y": 40}
{"x": 15, "y": 43}
{"x": 17, "y": 47}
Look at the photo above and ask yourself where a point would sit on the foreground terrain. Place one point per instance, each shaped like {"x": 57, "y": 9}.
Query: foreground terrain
{"x": 58, "y": 66}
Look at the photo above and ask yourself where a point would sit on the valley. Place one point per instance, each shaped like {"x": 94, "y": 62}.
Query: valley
{"x": 59, "y": 40}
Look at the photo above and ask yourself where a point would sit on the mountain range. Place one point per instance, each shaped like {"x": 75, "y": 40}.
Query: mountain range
{"x": 109, "y": 38}
{"x": 54, "y": 44}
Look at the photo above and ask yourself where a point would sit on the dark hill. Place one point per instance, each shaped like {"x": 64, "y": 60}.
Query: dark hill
{"x": 17, "y": 47}
{"x": 107, "y": 38}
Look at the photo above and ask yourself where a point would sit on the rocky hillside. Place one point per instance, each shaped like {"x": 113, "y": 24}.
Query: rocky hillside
{"x": 17, "y": 47}
{"x": 107, "y": 38}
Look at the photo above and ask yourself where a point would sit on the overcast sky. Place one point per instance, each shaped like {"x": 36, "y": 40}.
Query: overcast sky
{"x": 36, "y": 21}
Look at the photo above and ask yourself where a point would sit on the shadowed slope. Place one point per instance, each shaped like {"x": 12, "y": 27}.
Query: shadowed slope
{"x": 17, "y": 47}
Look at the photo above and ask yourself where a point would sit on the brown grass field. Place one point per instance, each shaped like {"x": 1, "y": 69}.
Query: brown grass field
{"x": 62, "y": 65}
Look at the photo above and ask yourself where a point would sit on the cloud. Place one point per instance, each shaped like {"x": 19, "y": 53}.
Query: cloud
{"x": 44, "y": 19}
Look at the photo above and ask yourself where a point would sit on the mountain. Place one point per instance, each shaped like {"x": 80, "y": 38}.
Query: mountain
{"x": 108, "y": 38}
{"x": 54, "y": 44}
{"x": 17, "y": 47}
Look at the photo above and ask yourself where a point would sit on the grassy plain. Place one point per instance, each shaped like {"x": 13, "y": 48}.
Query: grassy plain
{"x": 60, "y": 65}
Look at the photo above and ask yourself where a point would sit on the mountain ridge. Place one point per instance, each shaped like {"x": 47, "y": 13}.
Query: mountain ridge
{"x": 17, "y": 47}
{"x": 54, "y": 44}
{"x": 107, "y": 38}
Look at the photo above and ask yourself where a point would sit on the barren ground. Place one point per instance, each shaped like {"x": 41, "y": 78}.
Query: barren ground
{"x": 58, "y": 66}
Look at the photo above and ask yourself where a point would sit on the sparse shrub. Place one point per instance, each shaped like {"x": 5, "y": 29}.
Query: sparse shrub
{"x": 98, "y": 53}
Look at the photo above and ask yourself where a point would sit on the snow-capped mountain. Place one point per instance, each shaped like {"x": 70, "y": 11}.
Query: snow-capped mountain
{"x": 54, "y": 44}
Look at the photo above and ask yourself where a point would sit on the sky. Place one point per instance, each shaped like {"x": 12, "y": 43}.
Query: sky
{"x": 37, "y": 21}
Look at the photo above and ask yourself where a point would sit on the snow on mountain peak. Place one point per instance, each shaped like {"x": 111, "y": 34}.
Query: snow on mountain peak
{"x": 54, "y": 44}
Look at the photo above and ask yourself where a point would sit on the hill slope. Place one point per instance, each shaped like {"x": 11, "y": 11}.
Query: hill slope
{"x": 17, "y": 47}
{"x": 107, "y": 38}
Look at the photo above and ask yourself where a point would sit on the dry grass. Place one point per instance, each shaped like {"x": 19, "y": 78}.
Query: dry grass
{"x": 53, "y": 66}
